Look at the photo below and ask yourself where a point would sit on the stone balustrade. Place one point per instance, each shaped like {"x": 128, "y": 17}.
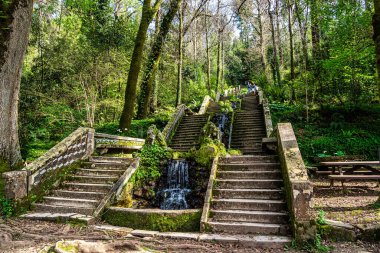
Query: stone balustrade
{"x": 78, "y": 145}
{"x": 174, "y": 122}
{"x": 205, "y": 104}
{"x": 298, "y": 188}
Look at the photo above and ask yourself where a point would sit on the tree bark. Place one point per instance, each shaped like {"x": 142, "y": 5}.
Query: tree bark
{"x": 180, "y": 56}
{"x": 275, "y": 65}
{"x": 291, "y": 50}
{"x": 154, "y": 104}
{"x": 154, "y": 59}
{"x": 303, "y": 32}
{"x": 261, "y": 36}
{"x": 219, "y": 56}
{"x": 277, "y": 7}
{"x": 376, "y": 38}
{"x": 208, "y": 52}
{"x": 15, "y": 23}
{"x": 148, "y": 14}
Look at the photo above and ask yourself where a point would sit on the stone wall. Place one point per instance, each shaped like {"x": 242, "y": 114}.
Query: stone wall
{"x": 78, "y": 145}
{"x": 298, "y": 188}
{"x": 267, "y": 117}
{"x": 173, "y": 123}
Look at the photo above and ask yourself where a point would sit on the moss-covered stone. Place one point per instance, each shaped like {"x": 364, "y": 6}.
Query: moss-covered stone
{"x": 157, "y": 220}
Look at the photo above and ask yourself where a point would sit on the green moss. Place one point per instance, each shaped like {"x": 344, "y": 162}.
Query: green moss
{"x": 187, "y": 222}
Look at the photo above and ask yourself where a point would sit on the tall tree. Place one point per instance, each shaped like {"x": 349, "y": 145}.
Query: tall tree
{"x": 208, "y": 54}
{"x": 15, "y": 23}
{"x": 376, "y": 38}
{"x": 148, "y": 14}
{"x": 275, "y": 65}
{"x": 180, "y": 56}
{"x": 154, "y": 59}
{"x": 291, "y": 50}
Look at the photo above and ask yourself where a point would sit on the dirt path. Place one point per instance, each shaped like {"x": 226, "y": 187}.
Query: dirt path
{"x": 25, "y": 236}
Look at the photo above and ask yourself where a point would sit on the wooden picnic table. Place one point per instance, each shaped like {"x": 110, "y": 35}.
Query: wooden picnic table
{"x": 374, "y": 173}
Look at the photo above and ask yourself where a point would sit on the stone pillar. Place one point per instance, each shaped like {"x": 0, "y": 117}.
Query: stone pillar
{"x": 90, "y": 142}
{"x": 16, "y": 184}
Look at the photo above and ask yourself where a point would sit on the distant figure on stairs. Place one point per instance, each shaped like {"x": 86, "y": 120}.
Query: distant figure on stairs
{"x": 252, "y": 87}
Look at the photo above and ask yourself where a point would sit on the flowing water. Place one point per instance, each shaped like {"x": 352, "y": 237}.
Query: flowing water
{"x": 221, "y": 121}
{"x": 176, "y": 186}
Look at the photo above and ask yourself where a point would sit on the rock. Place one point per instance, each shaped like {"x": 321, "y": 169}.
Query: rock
{"x": 337, "y": 231}
{"x": 370, "y": 233}
{"x": 138, "y": 193}
{"x": 5, "y": 237}
{"x": 16, "y": 184}
{"x": 79, "y": 246}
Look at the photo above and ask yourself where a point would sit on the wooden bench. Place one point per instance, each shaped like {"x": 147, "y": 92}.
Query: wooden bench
{"x": 344, "y": 178}
{"x": 359, "y": 170}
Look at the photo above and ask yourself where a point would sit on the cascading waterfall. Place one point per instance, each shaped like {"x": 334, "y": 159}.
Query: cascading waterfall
{"x": 222, "y": 120}
{"x": 177, "y": 186}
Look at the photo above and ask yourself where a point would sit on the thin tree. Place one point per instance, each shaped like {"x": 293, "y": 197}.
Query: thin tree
{"x": 148, "y": 14}
{"x": 180, "y": 55}
{"x": 275, "y": 65}
{"x": 15, "y": 23}
{"x": 291, "y": 49}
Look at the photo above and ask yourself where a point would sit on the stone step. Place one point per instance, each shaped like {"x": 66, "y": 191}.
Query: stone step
{"x": 79, "y": 194}
{"x": 62, "y": 209}
{"x": 62, "y": 201}
{"x": 249, "y": 204}
{"x": 249, "y": 183}
{"x": 187, "y": 132}
{"x": 249, "y": 216}
{"x": 94, "y": 179}
{"x": 185, "y": 138}
{"x": 109, "y": 159}
{"x": 99, "y": 172}
{"x": 61, "y": 217}
{"x": 256, "y": 166}
{"x": 245, "y": 158}
{"x": 271, "y": 174}
{"x": 191, "y": 124}
{"x": 273, "y": 194}
{"x": 248, "y": 228}
{"x": 184, "y": 143}
{"x": 87, "y": 187}
{"x": 105, "y": 165}
{"x": 236, "y": 139}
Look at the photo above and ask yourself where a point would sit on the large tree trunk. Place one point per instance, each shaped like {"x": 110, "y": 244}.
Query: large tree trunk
{"x": 315, "y": 40}
{"x": 148, "y": 14}
{"x": 154, "y": 59}
{"x": 303, "y": 32}
{"x": 376, "y": 38}
{"x": 180, "y": 57}
{"x": 16, "y": 19}
{"x": 219, "y": 56}
{"x": 154, "y": 104}
{"x": 292, "y": 74}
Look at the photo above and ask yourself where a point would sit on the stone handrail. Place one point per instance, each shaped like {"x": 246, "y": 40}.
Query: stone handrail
{"x": 118, "y": 187}
{"x": 174, "y": 122}
{"x": 208, "y": 196}
{"x": 234, "y": 91}
{"x": 267, "y": 115}
{"x": 298, "y": 188}
{"x": 205, "y": 104}
{"x": 217, "y": 97}
{"x": 78, "y": 145}
{"x": 116, "y": 138}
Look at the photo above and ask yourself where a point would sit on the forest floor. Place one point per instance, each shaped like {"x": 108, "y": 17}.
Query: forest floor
{"x": 354, "y": 204}
{"x": 25, "y": 236}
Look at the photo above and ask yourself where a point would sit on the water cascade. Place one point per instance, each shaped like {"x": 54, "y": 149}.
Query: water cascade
{"x": 176, "y": 186}
{"x": 222, "y": 120}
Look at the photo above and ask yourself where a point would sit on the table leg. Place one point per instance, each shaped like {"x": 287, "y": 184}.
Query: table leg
{"x": 331, "y": 182}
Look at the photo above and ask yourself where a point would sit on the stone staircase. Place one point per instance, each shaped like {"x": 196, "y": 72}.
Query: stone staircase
{"x": 188, "y": 133}
{"x": 249, "y": 127}
{"x": 82, "y": 194}
{"x": 248, "y": 199}
{"x": 213, "y": 107}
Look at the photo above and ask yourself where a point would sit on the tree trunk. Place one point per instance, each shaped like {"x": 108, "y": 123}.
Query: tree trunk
{"x": 278, "y": 33}
{"x": 16, "y": 19}
{"x": 292, "y": 74}
{"x": 148, "y": 14}
{"x": 261, "y": 36}
{"x": 208, "y": 53}
{"x": 303, "y": 32}
{"x": 154, "y": 59}
{"x": 219, "y": 56}
{"x": 154, "y": 104}
{"x": 276, "y": 68}
{"x": 315, "y": 40}
{"x": 376, "y": 38}
{"x": 180, "y": 56}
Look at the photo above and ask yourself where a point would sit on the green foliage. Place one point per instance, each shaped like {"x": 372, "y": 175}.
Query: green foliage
{"x": 151, "y": 159}
{"x": 321, "y": 219}
{"x": 314, "y": 246}
{"x": 207, "y": 152}
{"x": 225, "y": 106}
{"x": 357, "y": 132}
{"x": 6, "y": 207}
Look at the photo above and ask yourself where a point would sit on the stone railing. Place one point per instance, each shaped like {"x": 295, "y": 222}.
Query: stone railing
{"x": 174, "y": 122}
{"x": 118, "y": 187}
{"x": 78, "y": 145}
{"x": 205, "y": 104}
{"x": 118, "y": 140}
{"x": 267, "y": 116}
{"x": 217, "y": 97}
{"x": 208, "y": 196}
{"x": 298, "y": 188}
{"x": 232, "y": 91}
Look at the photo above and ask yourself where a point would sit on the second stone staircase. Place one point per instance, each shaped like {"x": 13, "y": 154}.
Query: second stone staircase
{"x": 81, "y": 195}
